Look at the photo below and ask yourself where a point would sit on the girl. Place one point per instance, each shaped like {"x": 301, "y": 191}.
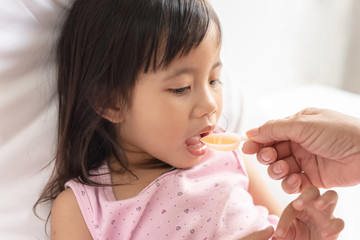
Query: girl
{"x": 138, "y": 84}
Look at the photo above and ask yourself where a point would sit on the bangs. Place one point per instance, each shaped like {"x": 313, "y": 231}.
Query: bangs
{"x": 112, "y": 41}
{"x": 179, "y": 26}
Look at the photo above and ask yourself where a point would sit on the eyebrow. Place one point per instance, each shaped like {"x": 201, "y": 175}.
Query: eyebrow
{"x": 189, "y": 69}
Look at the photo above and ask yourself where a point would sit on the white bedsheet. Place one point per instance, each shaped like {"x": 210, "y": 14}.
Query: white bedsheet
{"x": 28, "y": 116}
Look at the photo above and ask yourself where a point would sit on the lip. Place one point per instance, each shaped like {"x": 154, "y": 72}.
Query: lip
{"x": 206, "y": 130}
{"x": 194, "y": 145}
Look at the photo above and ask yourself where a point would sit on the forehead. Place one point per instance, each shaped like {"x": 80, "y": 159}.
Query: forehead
{"x": 203, "y": 58}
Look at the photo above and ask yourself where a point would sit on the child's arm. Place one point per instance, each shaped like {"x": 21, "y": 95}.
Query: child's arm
{"x": 259, "y": 191}
{"x": 67, "y": 221}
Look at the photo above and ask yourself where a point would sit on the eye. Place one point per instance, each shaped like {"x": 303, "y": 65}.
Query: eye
{"x": 215, "y": 82}
{"x": 180, "y": 91}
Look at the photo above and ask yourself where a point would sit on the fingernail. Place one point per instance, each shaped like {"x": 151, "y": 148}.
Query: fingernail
{"x": 319, "y": 203}
{"x": 252, "y": 132}
{"x": 291, "y": 180}
{"x": 265, "y": 157}
{"x": 277, "y": 169}
{"x": 298, "y": 203}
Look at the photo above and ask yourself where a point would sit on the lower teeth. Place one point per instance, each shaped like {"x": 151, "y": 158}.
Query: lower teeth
{"x": 197, "y": 145}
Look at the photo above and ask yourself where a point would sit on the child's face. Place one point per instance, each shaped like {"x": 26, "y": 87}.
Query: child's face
{"x": 172, "y": 107}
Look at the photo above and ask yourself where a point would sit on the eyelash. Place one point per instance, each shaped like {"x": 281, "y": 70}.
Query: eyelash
{"x": 216, "y": 81}
{"x": 182, "y": 91}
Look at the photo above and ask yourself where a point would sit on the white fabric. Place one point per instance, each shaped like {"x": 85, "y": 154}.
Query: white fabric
{"x": 27, "y": 112}
{"x": 28, "y": 115}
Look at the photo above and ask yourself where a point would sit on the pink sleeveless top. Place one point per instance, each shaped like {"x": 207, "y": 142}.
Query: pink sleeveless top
{"x": 208, "y": 201}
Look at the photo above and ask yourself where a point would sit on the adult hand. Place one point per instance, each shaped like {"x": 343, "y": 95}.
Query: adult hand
{"x": 313, "y": 147}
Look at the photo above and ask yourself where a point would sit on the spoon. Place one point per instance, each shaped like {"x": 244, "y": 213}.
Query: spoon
{"x": 223, "y": 141}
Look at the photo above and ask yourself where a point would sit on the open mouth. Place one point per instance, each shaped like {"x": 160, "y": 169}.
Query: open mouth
{"x": 204, "y": 134}
{"x": 195, "y": 142}
{"x": 194, "y": 145}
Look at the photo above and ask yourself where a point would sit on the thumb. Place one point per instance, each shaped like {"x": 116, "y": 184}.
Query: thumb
{"x": 264, "y": 234}
{"x": 275, "y": 130}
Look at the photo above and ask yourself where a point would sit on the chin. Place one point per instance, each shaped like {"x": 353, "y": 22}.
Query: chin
{"x": 189, "y": 162}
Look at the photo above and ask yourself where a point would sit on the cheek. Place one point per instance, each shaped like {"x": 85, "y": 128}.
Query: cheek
{"x": 219, "y": 100}
{"x": 168, "y": 118}
{"x": 158, "y": 117}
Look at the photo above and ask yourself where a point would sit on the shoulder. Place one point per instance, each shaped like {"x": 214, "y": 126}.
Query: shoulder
{"x": 67, "y": 221}
{"x": 65, "y": 199}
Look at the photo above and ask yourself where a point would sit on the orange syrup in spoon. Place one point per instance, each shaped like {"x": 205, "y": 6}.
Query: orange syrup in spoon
{"x": 223, "y": 141}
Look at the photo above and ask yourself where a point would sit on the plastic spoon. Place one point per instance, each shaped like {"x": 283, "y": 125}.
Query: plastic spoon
{"x": 223, "y": 141}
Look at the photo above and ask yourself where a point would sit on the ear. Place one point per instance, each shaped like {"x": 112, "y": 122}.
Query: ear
{"x": 112, "y": 111}
{"x": 113, "y": 114}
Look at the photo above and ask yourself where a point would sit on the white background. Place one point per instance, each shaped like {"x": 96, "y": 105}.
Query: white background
{"x": 275, "y": 42}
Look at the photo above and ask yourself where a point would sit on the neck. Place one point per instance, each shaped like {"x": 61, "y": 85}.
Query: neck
{"x": 137, "y": 169}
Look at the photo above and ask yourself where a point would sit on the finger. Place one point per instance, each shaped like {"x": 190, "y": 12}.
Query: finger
{"x": 292, "y": 210}
{"x": 283, "y": 149}
{"x": 267, "y": 155}
{"x": 305, "y": 182}
{"x": 251, "y": 147}
{"x": 264, "y": 234}
{"x": 308, "y": 195}
{"x": 283, "y": 168}
{"x": 327, "y": 201}
{"x": 333, "y": 230}
{"x": 286, "y": 220}
{"x": 270, "y": 132}
{"x": 292, "y": 184}
{"x": 278, "y": 170}
{"x": 296, "y": 183}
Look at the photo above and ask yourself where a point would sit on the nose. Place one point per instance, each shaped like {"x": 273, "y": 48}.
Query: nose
{"x": 207, "y": 104}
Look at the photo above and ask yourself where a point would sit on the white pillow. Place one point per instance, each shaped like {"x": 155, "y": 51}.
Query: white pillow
{"x": 27, "y": 112}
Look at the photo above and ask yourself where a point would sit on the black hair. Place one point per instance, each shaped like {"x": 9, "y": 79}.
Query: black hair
{"x": 103, "y": 46}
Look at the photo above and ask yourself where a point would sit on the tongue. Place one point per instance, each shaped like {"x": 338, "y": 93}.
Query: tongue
{"x": 193, "y": 140}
